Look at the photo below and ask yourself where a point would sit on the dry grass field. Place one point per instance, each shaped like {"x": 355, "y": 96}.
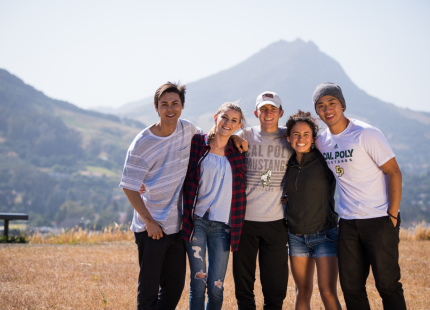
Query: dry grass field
{"x": 103, "y": 275}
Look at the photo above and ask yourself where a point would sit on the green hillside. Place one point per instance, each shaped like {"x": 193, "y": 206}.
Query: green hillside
{"x": 58, "y": 161}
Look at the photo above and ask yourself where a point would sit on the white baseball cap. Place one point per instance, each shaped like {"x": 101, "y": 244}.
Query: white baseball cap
{"x": 268, "y": 97}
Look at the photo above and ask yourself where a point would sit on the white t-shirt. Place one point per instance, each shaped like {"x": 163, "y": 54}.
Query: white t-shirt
{"x": 354, "y": 156}
{"x": 161, "y": 163}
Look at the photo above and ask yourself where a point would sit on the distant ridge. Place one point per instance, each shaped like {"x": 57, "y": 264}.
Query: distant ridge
{"x": 10, "y": 84}
{"x": 42, "y": 128}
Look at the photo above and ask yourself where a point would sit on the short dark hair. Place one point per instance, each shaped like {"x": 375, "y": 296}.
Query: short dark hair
{"x": 305, "y": 117}
{"x": 170, "y": 87}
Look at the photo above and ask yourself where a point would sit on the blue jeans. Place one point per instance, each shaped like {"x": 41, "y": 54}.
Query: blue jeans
{"x": 215, "y": 236}
{"x": 320, "y": 244}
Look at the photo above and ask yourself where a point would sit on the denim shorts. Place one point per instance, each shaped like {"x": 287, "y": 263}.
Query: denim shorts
{"x": 319, "y": 244}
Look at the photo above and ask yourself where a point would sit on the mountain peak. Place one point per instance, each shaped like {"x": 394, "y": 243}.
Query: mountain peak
{"x": 297, "y": 44}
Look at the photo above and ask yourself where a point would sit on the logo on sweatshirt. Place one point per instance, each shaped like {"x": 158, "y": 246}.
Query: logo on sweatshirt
{"x": 266, "y": 178}
{"x": 336, "y": 147}
{"x": 339, "y": 171}
{"x": 344, "y": 155}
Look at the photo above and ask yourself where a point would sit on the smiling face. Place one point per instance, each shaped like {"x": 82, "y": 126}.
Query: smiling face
{"x": 269, "y": 116}
{"x": 330, "y": 111}
{"x": 301, "y": 137}
{"x": 227, "y": 122}
{"x": 169, "y": 108}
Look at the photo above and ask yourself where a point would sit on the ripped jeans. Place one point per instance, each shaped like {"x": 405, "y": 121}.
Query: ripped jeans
{"x": 215, "y": 237}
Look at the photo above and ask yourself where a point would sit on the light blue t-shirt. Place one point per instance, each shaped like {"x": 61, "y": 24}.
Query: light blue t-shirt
{"x": 215, "y": 188}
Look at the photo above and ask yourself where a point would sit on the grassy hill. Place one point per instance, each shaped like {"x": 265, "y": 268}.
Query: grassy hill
{"x": 58, "y": 161}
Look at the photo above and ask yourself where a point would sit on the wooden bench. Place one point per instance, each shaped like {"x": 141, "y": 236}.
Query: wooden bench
{"x": 10, "y": 217}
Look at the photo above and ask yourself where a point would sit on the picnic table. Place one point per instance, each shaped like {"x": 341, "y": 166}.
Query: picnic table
{"x": 10, "y": 217}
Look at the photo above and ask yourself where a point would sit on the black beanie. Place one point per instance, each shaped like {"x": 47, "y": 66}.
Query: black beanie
{"x": 328, "y": 89}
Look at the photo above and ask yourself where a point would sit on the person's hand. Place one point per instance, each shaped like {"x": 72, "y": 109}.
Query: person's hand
{"x": 142, "y": 189}
{"x": 394, "y": 221}
{"x": 154, "y": 230}
{"x": 284, "y": 199}
{"x": 240, "y": 143}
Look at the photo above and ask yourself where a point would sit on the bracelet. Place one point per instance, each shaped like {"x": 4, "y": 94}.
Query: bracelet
{"x": 392, "y": 215}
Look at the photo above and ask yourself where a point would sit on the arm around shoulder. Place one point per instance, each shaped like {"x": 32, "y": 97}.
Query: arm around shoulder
{"x": 240, "y": 143}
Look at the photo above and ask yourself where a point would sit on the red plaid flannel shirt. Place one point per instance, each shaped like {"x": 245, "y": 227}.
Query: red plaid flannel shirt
{"x": 199, "y": 150}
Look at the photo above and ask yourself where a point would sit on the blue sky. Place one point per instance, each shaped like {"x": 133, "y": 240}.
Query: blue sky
{"x": 108, "y": 53}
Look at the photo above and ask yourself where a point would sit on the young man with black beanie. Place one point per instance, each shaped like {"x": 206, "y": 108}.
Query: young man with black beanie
{"x": 370, "y": 190}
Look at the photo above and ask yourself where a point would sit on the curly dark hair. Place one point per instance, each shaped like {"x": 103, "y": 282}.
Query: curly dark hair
{"x": 305, "y": 117}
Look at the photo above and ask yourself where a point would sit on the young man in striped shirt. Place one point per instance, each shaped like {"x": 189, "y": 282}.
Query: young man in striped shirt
{"x": 158, "y": 157}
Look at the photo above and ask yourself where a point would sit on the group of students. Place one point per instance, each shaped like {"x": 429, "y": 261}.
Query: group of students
{"x": 266, "y": 192}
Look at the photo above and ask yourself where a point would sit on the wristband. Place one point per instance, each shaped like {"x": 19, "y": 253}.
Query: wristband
{"x": 392, "y": 215}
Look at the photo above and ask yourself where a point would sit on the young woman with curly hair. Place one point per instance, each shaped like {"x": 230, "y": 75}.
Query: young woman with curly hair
{"x": 312, "y": 221}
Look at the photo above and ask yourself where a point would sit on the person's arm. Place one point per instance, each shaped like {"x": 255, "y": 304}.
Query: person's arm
{"x": 392, "y": 170}
{"x": 152, "y": 227}
{"x": 240, "y": 143}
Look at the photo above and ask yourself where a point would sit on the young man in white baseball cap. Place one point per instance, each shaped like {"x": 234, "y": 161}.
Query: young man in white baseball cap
{"x": 264, "y": 231}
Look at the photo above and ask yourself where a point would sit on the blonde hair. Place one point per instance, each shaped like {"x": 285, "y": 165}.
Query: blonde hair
{"x": 228, "y": 105}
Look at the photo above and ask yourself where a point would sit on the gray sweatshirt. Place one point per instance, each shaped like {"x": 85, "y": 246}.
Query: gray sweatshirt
{"x": 266, "y": 162}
